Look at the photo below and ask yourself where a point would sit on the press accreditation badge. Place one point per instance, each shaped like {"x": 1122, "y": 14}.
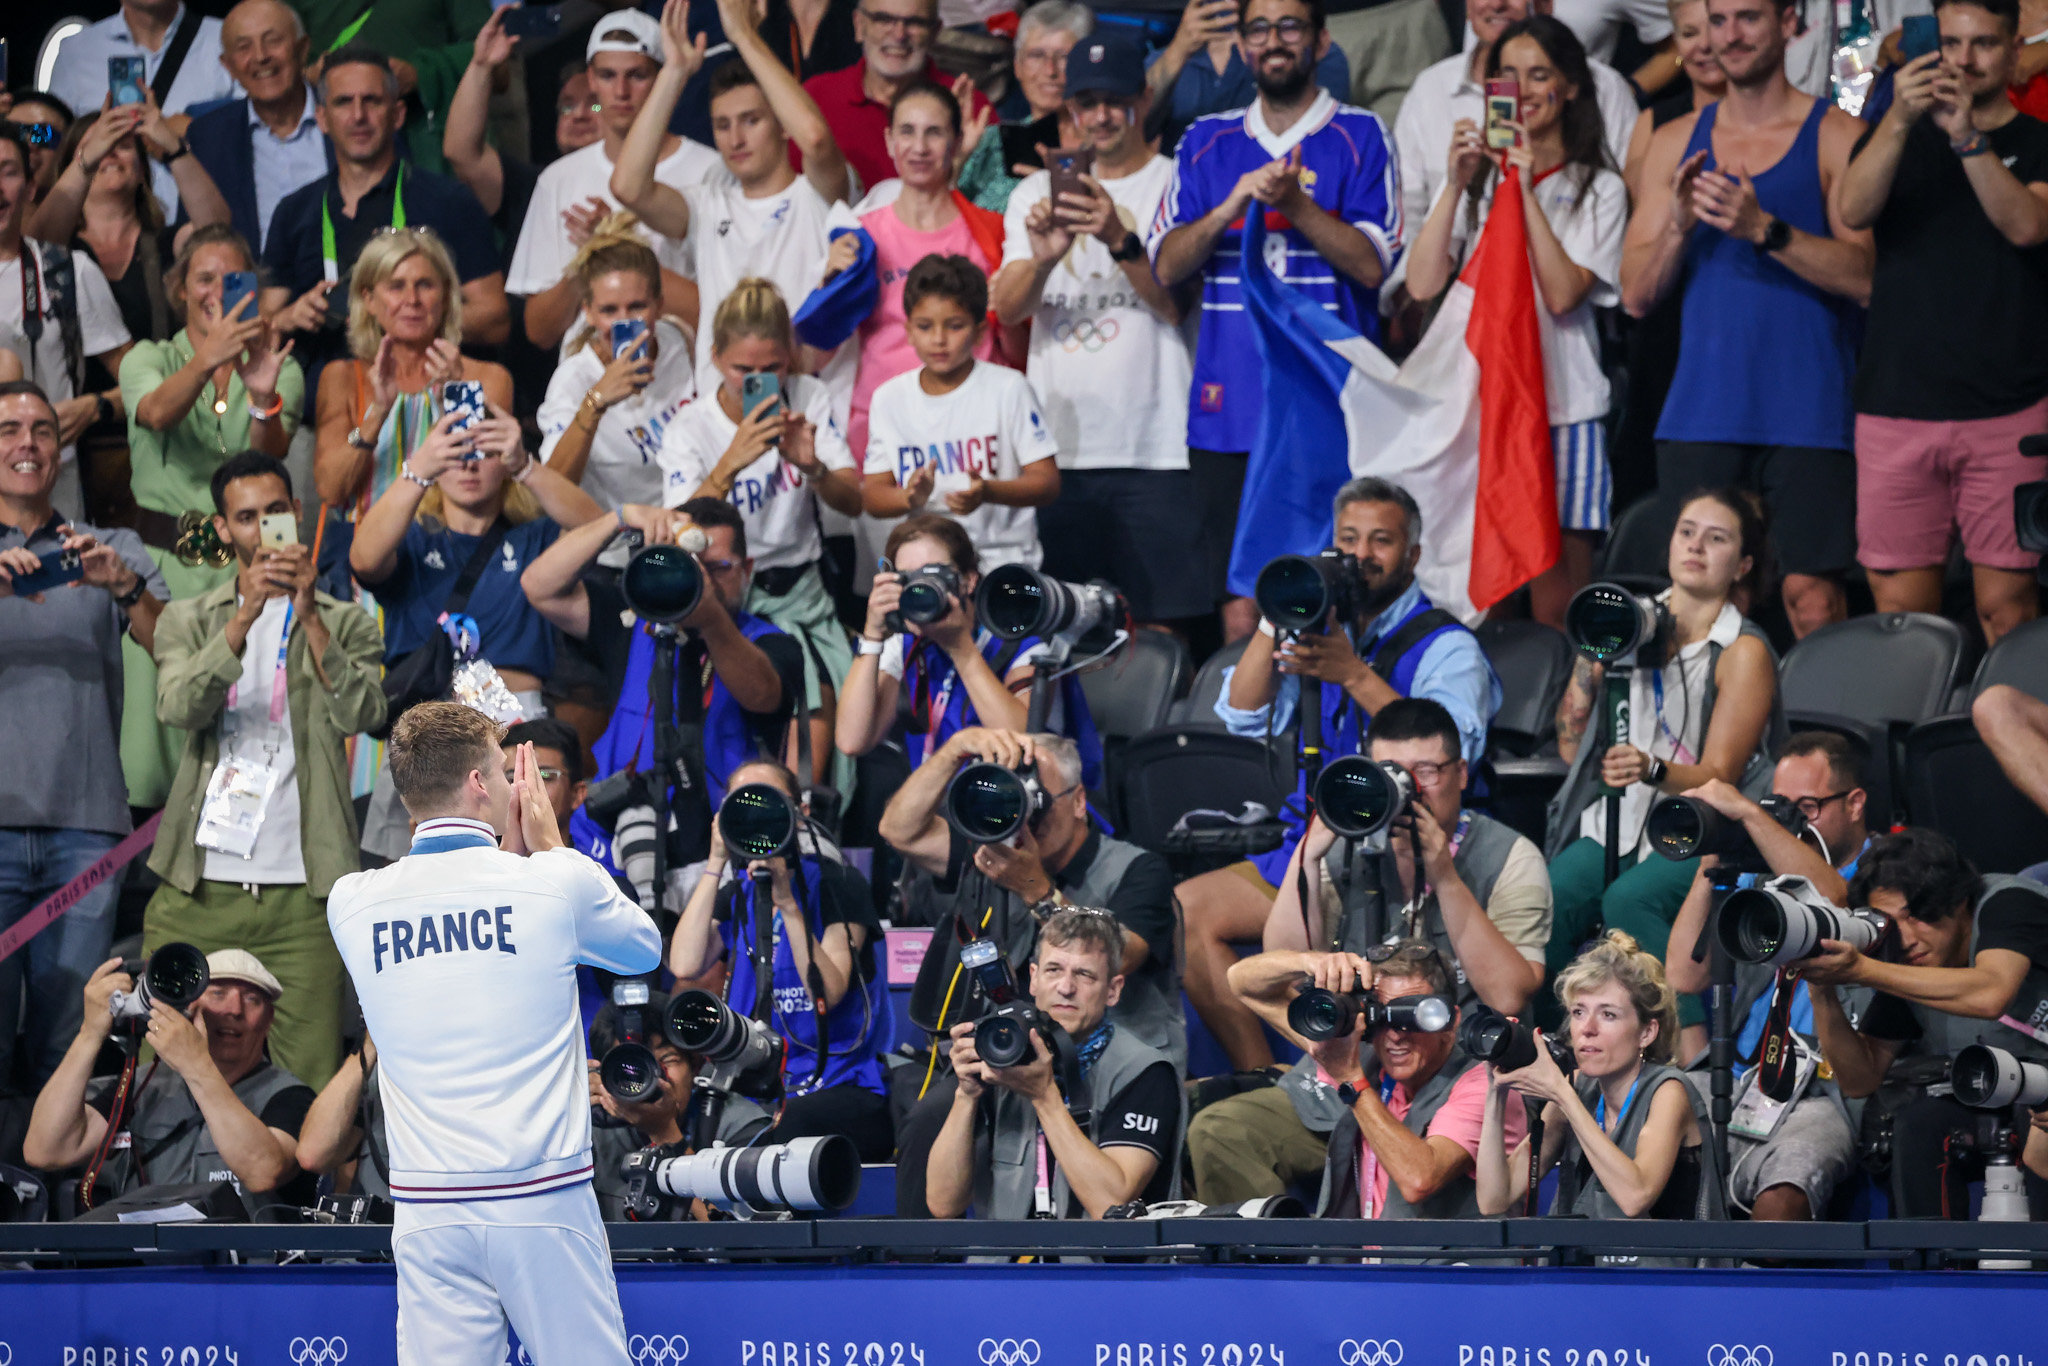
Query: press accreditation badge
{"x": 232, "y": 813}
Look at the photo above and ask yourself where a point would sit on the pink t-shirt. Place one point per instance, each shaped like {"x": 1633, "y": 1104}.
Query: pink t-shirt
{"x": 885, "y": 350}
{"x": 1457, "y": 1119}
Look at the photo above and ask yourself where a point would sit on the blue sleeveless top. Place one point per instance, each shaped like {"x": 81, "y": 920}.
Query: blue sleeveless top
{"x": 940, "y": 707}
{"x": 1764, "y": 358}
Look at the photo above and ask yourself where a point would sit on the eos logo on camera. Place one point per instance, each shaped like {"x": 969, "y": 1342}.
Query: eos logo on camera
{"x": 318, "y": 1351}
{"x": 1737, "y": 1355}
{"x": 1369, "y": 1352}
{"x": 657, "y": 1349}
{"x": 1188, "y": 1354}
{"x": 1008, "y": 1352}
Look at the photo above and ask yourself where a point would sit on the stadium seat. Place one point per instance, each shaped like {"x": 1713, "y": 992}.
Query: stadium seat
{"x": 1534, "y": 662}
{"x": 1131, "y": 696}
{"x": 2019, "y": 659}
{"x": 1638, "y": 550}
{"x": 1952, "y": 783}
{"x": 1198, "y": 708}
{"x": 1161, "y": 775}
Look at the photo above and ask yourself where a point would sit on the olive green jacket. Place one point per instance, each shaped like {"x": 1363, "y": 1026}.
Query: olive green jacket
{"x": 195, "y": 670}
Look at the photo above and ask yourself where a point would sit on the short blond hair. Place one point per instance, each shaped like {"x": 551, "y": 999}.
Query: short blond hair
{"x": 435, "y": 746}
{"x": 382, "y": 255}
{"x": 1616, "y": 957}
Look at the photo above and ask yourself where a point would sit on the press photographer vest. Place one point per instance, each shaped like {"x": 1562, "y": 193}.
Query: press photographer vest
{"x": 1943, "y": 1035}
{"x": 1006, "y": 1148}
{"x": 1342, "y": 1195}
{"x": 1579, "y": 1192}
{"x": 1371, "y": 888}
{"x": 943, "y": 996}
{"x": 1394, "y": 655}
{"x": 168, "y": 1134}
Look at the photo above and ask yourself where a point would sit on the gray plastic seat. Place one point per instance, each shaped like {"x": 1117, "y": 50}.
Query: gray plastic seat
{"x": 2019, "y": 659}
{"x": 1132, "y": 695}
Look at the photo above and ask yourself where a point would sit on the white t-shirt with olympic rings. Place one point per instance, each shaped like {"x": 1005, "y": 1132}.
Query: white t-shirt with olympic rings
{"x": 1113, "y": 375}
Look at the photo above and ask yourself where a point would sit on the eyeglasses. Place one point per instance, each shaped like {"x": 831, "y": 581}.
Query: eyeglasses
{"x": 1045, "y": 57}
{"x": 720, "y": 567}
{"x": 1260, "y": 31}
{"x": 1811, "y": 807}
{"x": 547, "y": 775}
{"x": 1427, "y": 774}
{"x": 909, "y": 23}
{"x": 570, "y": 108}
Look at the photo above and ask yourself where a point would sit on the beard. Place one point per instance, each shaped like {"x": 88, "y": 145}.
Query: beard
{"x": 1288, "y": 85}
{"x": 1375, "y": 594}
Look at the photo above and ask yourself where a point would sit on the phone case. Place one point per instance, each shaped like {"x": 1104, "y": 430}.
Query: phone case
{"x": 127, "y": 77}
{"x": 464, "y": 398}
{"x": 1503, "y": 105}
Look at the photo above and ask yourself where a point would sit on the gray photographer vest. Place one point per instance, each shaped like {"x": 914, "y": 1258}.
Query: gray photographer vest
{"x": 168, "y": 1134}
{"x": 1006, "y": 1148}
{"x": 1944, "y": 1035}
{"x": 1342, "y": 1194}
{"x": 1371, "y": 888}
{"x": 1150, "y": 1005}
{"x": 1590, "y": 1200}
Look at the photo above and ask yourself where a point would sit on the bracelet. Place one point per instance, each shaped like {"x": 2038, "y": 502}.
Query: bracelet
{"x": 183, "y": 149}
{"x": 1658, "y": 768}
{"x": 407, "y": 470}
{"x": 864, "y": 646}
{"x": 133, "y": 595}
{"x": 257, "y": 414}
{"x": 524, "y": 472}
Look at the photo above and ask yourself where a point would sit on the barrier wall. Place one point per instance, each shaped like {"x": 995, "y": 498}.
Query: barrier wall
{"x": 694, "y": 1315}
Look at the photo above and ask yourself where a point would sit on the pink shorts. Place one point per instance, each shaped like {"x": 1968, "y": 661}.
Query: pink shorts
{"x": 1918, "y": 482}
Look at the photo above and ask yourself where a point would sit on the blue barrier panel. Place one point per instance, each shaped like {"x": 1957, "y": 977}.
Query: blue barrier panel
{"x": 1079, "y": 1316}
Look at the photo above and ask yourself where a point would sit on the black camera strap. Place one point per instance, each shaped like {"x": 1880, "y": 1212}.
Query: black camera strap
{"x": 473, "y": 571}
{"x": 174, "y": 57}
{"x": 1388, "y": 650}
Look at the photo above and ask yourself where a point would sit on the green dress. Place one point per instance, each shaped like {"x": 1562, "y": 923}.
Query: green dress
{"x": 171, "y": 472}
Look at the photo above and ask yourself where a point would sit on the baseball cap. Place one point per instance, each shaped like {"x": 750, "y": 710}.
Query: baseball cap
{"x": 240, "y": 965}
{"x": 1106, "y": 62}
{"x": 645, "y": 28}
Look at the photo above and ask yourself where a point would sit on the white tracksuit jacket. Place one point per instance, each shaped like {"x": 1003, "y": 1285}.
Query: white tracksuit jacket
{"x": 465, "y": 962}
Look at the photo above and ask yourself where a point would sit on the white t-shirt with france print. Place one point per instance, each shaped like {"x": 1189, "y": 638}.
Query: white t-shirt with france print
{"x": 778, "y": 237}
{"x": 623, "y": 451}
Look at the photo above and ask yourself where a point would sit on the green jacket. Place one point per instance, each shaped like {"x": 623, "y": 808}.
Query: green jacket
{"x": 195, "y": 669}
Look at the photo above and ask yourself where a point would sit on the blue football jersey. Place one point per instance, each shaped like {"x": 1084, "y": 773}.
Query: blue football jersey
{"x": 1348, "y": 168}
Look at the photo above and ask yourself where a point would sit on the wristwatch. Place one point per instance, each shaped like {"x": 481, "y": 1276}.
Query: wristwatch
{"x": 1132, "y": 248}
{"x": 359, "y": 441}
{"x": 1348, "y": 1093}
{"x": 102, "y": 409}
{"x": 1777, "y": 236}
{"x": 133, "y": 595}
{"x": 183, "y": 149}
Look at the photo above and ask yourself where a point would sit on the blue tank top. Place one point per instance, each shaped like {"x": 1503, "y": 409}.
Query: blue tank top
{"x": 1765, "y": 358}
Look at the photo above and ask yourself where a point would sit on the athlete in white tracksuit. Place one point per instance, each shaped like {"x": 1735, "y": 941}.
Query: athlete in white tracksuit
{"x": 464, "y": 956}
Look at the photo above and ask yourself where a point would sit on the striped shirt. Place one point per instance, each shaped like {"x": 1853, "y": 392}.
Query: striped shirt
{"x": 1348, "y": 168}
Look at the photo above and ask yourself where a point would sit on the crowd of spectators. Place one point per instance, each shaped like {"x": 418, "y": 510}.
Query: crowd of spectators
{"x": 357, "y": 357}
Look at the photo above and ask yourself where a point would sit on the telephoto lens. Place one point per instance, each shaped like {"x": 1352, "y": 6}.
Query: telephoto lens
{"x": 699, "y": 1022}
{"x": 819, "y": 1173}
{"x": 1300, "y": 593}
{"x": 1358, "y": 797}
{"x": 758, "y": 822}
{"x": 175, "y": 974}
{"x": 1686, "y": 827}
{"x": 1016, "y": 601}
{"x": 1002, "y": 1037}
{"x": 629, "y": 1069}
{"x": 988, "y": 803}
{"x": 662, "y": 583}
{"x": 633, "y": 847}
{"x": 1318, "y": 1013}
{"x": 1605, "y": 622}
{"x": 1509, "y": 1045}
{"x": 1784, "y": 920}
{"x": 928, "y": 595}
{"x": 1987, "y": 1078}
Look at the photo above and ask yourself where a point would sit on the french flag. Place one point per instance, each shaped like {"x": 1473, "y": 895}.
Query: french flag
{"x": 1462, "y": 425}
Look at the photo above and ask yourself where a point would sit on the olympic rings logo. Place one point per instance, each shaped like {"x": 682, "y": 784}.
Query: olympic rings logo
{"x": 6, "y": 1354}
{"x": 1369, "y": 1352}
{"x": 1008, "y": 1352}
{"x": 1738, "y": 1355}
{"x": 655, "y": 1349}
{"x": 318, "y": 1351}
{"x": 1086, "y": 334}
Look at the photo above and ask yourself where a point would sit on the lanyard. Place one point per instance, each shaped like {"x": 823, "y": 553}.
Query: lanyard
{"x": 31, "y": 303}
{"x": 277, "y": 680}
{"x": 1369, "y": 1162}
{"x": 1412, "y": 912}
{"x": 352, "y": 30}
{"x": 1600, "y": 1109}
{"x": 330, "y": 259}
{"x": 1678, "y": 747}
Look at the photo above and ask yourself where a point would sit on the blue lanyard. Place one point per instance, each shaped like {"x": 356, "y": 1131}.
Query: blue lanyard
{"x": 1600, "y": 1110}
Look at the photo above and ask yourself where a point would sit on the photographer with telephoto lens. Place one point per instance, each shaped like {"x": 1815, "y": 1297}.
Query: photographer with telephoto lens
{"x": 794, "y": 891}
{"x": 1059, "y": 858}
{"x": 1483, "y": 901}
{"x": 921, "y": 635}
{"x": 1019, "y": 1148}
{"x": 1354, "y": 623}
{"x": 1411, "y": 1100}
{"x": 1787, "y": 1153}
{"x": 1630, "y": 1138}
{"x": 1973, "y": 969}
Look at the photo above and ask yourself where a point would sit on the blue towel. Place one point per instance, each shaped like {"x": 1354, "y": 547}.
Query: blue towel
{"x": 834, "y": 309}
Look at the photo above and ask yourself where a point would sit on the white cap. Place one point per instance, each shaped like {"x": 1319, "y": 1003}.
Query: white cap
{"x": 240, "y": 965}
{"x": 645, "y": 28}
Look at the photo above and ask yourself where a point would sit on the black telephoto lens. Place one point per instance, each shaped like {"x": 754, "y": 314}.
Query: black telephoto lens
{"x": 630, "y": 1071}
{"x": 1492, "y": 1037}
{"x": 1604, "y": 621}
{"x": 662, "y": 583}
{"x": 1016, "y": 601}
{"x": 177, "y": 975}
{"x": 1294, "y": 592}
{"x": 1685, "y": 827}
{"x": 987, "y": 803}
{"x": 1358, "y": 798}
{"x": 1318, "y": 1013}
{"x": 757, "y": 822}
{"x": 1003, "y": 1039}
{"x": 699, "y": 1022}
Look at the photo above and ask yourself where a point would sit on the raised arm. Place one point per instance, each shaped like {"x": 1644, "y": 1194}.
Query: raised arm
{"x": 795, "y": 110}
{"x": 470, "y": 155}
{"x": 661, "y": 207}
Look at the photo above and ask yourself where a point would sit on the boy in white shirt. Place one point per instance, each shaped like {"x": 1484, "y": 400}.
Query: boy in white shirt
{"x": 958, "y": 434}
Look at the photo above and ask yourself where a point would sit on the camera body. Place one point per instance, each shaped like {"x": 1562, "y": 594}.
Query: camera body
{"x": 1002, "y": 1036}
{"x": 1610, "y": 625}
{"x": 1509, "y": 1044}
{"x": 990, "y": 804}
{"x": 1686, "y": 827}
{"x": 929, "y": 593}
{"x": 1359, "y": 797}
{"x": 1302, "y": 594}
{"x": 1783, "y": 921}
{"x": 1317, "y": 1013}
{"x": 175, "y": 974}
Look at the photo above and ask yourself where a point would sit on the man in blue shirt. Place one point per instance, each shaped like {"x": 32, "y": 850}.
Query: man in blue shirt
{"x": 1792, "y": 1173}
{"x": 1324, "y": 176}
{"x": 1397, "y": 645}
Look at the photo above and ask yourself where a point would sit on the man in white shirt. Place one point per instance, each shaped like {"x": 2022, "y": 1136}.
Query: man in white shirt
{"x": 1454, "y": 89}
{"x": 574, "y": 194}
{"x": 764, "y": 219}
{"x": 464, "y": 954}
{"x": 154, "y": 30}
{"x": 73, "y": 316}
{"x": 1108, "y": 356}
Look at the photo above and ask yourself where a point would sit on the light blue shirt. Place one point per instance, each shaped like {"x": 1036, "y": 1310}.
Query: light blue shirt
{"x": 1802, "y": 1004}
{"x": 284, "y": 164}
{"x": 1453, "y": 671}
